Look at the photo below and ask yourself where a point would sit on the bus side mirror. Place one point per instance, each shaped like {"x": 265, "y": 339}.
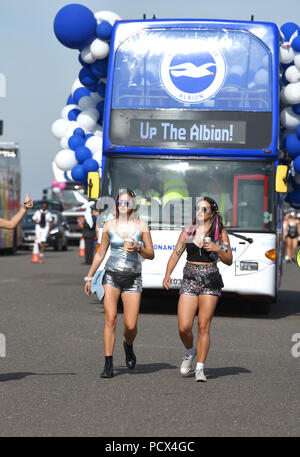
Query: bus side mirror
{"x": 93, "y": 185}
{"x": 281, "y": 178}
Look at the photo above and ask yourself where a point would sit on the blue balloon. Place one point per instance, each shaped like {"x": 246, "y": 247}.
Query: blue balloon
{"x": 293, "y": 197}
{"x": 87, "y": 77}
{"x": 75, "y": 141}
{"x": 294, "y": 184}
{"x": 298, "y": 131}
{"x": 73, "y": 114}
{"x": 93, "y": 88}
{"x": 296, "y": 108}
{"x": 88, "y": 135}
{"x": 82, "y": 62}
{"x": 70, "y": 100}
{"x": 79, "y": 93}
{"x": 104, "y": 30}
{"x": 288, "y": 29}
{"x": 296, "y": 44}
{"x": 101, "y": 89}
{"x": 292, "y": 144}
{"x": 296, "y": 163}
{"x": 77, "y": 173}
{"x": 79, "y": 131}
{"x": 75, "y": 26}
{"x": 99, "y": 68}
{"x": 82, "y": 153}
{"x": 90, "y": 165}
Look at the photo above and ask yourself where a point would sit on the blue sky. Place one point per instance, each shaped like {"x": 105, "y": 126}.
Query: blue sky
{"x": 39, "y": 71}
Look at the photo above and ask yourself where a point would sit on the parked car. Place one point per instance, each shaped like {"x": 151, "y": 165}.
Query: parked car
{"x": 58, "y": 236}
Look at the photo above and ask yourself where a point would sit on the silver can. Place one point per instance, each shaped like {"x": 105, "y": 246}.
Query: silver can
{"x": 207, "y": 239}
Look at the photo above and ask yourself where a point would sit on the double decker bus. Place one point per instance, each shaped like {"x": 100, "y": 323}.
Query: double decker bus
{"x": 10, "y": 190}
{"x": 192, "y": 109}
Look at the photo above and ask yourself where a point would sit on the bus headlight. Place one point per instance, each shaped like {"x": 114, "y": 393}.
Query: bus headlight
{"x": 248, "y": 266}
{"x": 271, "y": 254}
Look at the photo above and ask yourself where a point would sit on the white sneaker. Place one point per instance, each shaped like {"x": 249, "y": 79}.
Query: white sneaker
{"x": 186, "y": 364}
{"x": 200, "y": 376}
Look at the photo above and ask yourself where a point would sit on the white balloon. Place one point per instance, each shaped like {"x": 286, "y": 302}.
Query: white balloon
{"x": 92, "y": 112}
{"x": 59, "y": 128}
{"x": 108, "y": 16}
{"x": 297, "y": 60}
{"x": 94, "y": 143}
{"x": 99, "y": 49}
{"x": 87, "y": 56}
{"x": 64, "y": 142}
{"x": 65, "y": 111}
{"x": 98, "y": 157}
{"x": 96, "y": 97}
{"x": 289, "y": 119}
{"x": 86, "y": 103}
{"x": 56, "y": 190}
{"x": 286, "y": 55}
{"x": 65, "y": 159}
{"x": 282, "y": 96}
{"x": 72, "y": 125}
{"x": 292, "y": 93}
{"x": 76, "y": 85}
{"x": 292, "y": 74}
{"x": 86, "y": 121}
{"x": 98, "y": 132}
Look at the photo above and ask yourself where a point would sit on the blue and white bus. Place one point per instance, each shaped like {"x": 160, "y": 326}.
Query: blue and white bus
{"x": 192, "y": 109}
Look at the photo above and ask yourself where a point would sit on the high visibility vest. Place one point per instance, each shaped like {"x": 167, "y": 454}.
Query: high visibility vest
{"x": 174, "y": 188}
{"x": 223, "y": 201}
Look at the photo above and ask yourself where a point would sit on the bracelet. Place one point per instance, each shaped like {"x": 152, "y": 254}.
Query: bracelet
{"x": 86, "y": 278}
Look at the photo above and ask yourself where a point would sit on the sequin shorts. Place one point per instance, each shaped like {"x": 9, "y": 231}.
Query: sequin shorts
{"x": 136, "y": 285}
{"x": 195, "y": 286}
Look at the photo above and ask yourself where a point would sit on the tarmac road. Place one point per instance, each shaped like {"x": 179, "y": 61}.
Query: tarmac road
{"x": 49, "y": 379}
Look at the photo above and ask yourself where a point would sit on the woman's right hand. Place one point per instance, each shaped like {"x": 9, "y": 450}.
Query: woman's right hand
{"x": 87, "y": 288}
{"x": 167, "y": 282}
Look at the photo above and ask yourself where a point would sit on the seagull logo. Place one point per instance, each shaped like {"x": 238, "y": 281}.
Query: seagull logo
{"x": 195, "y": 76}
{"x": 191, "y": 71}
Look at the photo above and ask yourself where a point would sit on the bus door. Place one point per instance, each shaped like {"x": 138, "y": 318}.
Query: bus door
{"x": 250, "y": 200}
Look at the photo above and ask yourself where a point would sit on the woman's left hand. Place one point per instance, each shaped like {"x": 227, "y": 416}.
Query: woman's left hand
{"x": 133, "y": 248}
{"x": 211, "y": 247}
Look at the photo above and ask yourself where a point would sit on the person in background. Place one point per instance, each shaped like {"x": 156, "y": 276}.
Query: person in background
{"x": 17, "y": 218}
{"x": 89, "y": 234}
{"x": 122, "y": 275}
{"x": 202, "y": 283}
{"x": 291, "y": 232}
{"x": 43, "y": 225}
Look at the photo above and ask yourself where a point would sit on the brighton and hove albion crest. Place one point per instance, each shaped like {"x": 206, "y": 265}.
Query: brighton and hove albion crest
{"x": 193, "y": 74}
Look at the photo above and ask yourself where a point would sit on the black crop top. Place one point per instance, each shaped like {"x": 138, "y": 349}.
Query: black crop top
{"x": 196, "y": 254}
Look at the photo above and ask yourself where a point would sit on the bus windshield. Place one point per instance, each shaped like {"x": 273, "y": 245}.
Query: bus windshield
{"x": 167, "y": 191}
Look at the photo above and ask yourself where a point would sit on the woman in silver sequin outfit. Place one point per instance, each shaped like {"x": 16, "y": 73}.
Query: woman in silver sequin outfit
{"x": 122, "y": 264}
{"x": 198, "y": 290}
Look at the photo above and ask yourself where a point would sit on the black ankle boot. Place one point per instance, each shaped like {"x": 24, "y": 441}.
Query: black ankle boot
{"x": 130, "y": 356}
{"x": 108, "y": 370}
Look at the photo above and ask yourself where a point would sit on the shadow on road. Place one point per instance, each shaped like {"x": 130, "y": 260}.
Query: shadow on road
{"x": 17, "y": 376}
{"x": 144, "y": 368}
{"x": 214, "y": 373}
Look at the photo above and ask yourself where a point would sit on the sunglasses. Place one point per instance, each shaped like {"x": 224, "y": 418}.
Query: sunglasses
{"x": 203, "y": 209}
{"x": 124, "y": 202}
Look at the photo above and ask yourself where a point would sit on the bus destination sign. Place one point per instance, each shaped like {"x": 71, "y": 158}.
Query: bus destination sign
{"x": 145, "y": 132}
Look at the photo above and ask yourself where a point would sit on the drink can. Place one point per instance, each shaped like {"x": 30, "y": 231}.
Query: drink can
{"x": 207, "y": 239}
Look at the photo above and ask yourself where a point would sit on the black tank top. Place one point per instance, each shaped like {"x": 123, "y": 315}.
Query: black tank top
{"x": 193, "y": 253}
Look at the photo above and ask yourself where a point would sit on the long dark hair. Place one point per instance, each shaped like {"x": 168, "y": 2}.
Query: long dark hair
{"x": 125, "y": 192}
{"x": 215, "y": 220}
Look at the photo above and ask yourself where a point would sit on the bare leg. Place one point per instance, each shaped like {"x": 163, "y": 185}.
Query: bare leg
{"x": 294, "y": 247}
{"x": 111, "y": 298}
{"x": 187, "y": 308}
{"x": 131, "y": 304}
{"x": 207, "y": 306}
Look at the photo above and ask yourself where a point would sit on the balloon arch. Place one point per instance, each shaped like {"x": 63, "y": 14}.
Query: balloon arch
{"x": 79, "y": 129}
